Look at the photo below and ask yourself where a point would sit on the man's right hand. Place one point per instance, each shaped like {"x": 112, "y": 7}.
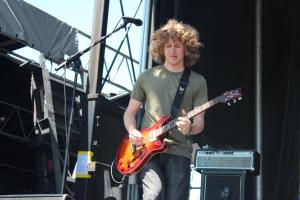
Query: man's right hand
{"x": 136, "y": 137}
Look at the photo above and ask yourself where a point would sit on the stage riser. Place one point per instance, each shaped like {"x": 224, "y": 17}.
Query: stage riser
{"x": 37, "y": 197}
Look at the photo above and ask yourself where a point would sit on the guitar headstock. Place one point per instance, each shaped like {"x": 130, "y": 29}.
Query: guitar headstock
{"x": 230, "y": 96}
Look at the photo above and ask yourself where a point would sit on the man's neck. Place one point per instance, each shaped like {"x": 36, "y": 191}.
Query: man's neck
{"x": 174, "y": 68}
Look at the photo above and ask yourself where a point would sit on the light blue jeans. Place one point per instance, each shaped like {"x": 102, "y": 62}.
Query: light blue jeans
{"x": 166, "y": 177}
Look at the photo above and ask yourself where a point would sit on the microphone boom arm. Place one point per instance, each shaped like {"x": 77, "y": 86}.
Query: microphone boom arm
{"x": 77, "y": 55}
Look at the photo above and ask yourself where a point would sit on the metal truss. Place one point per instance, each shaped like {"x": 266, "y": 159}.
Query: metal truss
{"x": 125, "y": 61}
{"x": 16, "y": 122}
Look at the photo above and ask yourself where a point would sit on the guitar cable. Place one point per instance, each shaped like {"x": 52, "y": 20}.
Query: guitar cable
{"x": 111, "y": 171}
{"x": 112, "y": 176}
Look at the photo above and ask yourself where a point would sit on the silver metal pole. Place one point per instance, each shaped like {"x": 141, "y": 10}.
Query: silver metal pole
{"x": 94, "y": 63}
{"x": 258, "y": 95}
{"x": 146, "y": 33}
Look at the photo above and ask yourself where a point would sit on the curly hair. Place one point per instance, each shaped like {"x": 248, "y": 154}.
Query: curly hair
{"x": 185, "y": 33}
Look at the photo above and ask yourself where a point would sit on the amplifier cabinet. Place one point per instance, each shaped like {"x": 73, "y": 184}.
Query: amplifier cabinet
{"x": 246, "y": 160}
{"x": 222, "y": 185}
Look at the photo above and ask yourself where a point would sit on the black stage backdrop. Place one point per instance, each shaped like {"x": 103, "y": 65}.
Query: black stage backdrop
{"x": 227, "y": 29}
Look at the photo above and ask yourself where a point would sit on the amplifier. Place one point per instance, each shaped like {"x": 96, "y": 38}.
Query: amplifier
{"x": 246, "y": 160}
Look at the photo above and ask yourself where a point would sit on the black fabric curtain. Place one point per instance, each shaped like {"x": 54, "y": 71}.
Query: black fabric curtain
{"x": 165, "y": 10}
{"x": 224, "y": 27}
{"x": 287, "y": 179}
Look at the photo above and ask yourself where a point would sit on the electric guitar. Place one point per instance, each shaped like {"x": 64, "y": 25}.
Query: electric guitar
{"x": 131, "y": 158}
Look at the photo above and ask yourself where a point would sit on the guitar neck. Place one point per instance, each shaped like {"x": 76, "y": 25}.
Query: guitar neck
{"x": 201, "y": 108}
{"x": 172, "y": 124}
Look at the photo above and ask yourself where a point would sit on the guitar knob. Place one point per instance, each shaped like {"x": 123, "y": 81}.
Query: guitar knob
{"x": 128, "y": 162}
{"x": 240, "y": 98}
{"x": 121, "y": 167}
{"x": 121, "y": 164}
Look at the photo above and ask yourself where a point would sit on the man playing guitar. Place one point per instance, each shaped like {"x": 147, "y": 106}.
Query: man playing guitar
{"x": 175, "y": 46}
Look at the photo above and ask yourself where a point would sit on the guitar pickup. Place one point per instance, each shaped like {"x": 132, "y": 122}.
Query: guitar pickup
{"x": 152, "y": 137}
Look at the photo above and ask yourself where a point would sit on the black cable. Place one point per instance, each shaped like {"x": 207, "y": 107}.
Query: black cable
{"x": 68, "y": 128}
{"x": 66, "y": 132}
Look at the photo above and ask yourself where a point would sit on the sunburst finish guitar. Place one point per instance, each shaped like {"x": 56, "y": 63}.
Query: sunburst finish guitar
{"x": 131, "y": 158}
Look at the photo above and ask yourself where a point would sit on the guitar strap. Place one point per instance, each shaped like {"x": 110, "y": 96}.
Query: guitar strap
{"x": 180, "y": 92}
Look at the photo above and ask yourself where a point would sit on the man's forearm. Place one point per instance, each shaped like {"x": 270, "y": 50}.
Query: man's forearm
{"x": 196, "y": 129}
{"x": 129, "y": 121}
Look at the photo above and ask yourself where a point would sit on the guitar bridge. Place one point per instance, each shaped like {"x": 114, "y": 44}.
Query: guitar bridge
{"x": 133, "y": 148}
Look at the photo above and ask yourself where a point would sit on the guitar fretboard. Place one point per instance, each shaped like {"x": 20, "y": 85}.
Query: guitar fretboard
{"x": 172, "y": 124}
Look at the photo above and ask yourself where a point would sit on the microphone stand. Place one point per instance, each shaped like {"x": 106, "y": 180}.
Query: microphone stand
{"x": 80, "y": 53}
{"x": 75, "y": 58}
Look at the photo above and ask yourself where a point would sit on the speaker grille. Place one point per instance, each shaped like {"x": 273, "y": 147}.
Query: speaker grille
{"x": 218, "y": 185}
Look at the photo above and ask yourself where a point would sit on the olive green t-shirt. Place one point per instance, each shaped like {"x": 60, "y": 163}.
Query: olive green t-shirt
{"x": 156, "y": 88}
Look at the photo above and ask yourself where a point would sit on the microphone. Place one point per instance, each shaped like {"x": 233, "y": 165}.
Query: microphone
{"x": 136, "y": 22}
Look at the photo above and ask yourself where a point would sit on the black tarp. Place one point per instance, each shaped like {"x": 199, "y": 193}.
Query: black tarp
{"x": 22, "y": 21}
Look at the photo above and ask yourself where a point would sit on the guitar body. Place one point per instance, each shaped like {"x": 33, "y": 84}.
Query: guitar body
{"x": 131, "y": 159}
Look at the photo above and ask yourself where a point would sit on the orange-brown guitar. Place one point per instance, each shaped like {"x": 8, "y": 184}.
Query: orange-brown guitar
{"x": 131, "y": 158}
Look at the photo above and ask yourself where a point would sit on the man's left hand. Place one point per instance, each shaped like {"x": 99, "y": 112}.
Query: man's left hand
{"x": 184, "y": 124}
